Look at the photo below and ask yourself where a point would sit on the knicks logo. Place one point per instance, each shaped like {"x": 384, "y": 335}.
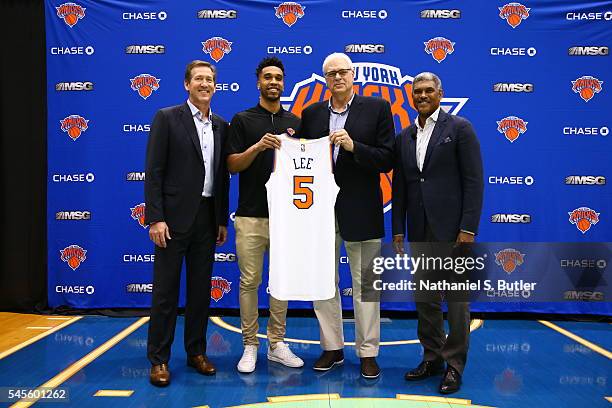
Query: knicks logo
{"x": 583, "y": 218}
{"x": 289, "y": 12}
{"x": 216, "y": 47}
{"x": 73, "y": 255}
{"x": 218, "y": 287}
{"x": 71, "y": 13}
{"x": 514, "y": 13}
{"x": 371, "y": 79}
{"x": 217, "y": 345}
{"x": 439, "y": 48}
{"x": 145, "y": 85}
{"x": 138, "y": 214}
{"x": 509, "y": 259}
{"x": 74, "y": 125}
{"x": 587, "y": 87}
{"x": 511, "y": 127}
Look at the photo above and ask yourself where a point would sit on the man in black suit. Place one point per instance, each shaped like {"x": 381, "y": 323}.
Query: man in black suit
{"x": 437, "y": 192}
{"x": 361, "y": 129}
{"x": 186, "y": 193}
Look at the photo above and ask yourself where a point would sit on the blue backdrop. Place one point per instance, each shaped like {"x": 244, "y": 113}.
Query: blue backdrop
{"x": 531, "y": 77}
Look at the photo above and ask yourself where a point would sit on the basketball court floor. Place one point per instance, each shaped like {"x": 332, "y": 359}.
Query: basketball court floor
{"x": 101, "y": 362}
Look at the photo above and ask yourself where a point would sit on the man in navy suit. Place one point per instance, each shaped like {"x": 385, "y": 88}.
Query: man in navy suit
{"x": 437, "y": 195}
{"x": 186, "y": 193}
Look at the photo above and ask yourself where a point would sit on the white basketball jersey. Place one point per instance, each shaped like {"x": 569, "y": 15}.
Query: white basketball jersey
{"x": 301, "y": 198}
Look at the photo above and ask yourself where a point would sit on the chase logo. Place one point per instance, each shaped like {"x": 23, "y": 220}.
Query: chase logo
{"x": 161, "y": 15}
{"x": 88, "y": 50}
{"x": 365, "y": 14}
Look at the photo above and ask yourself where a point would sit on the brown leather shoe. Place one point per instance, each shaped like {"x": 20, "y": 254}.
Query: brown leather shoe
{"x": 159, "y": 375}
{"x": 201, "y": 364}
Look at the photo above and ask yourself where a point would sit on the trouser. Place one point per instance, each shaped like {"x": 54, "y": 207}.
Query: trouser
{"x": 252, "y": 241}
{"x": 437, "y": 346}
{"x": 197, "y": 246}
{"x": 367, "y": 314}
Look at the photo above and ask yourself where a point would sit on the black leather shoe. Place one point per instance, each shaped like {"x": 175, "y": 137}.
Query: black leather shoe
{"x": 424, "y": 370}
{"x": 369, "y": 368}
{"x": 451, "y": 382}
{"x": 329, "y": 359}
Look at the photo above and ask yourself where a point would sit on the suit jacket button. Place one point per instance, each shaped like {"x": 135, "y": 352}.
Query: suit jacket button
{"x": 422, "y": 180}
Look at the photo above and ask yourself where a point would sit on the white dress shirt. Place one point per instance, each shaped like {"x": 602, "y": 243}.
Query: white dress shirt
{"x": 424, "y": 135}
{"x": 207, "y": 145}
{"x": 337, "y": 120}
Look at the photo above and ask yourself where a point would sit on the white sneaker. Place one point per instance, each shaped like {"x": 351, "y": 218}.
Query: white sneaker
{"x": 283, "y": 354}
{"x": 248, "y": 360}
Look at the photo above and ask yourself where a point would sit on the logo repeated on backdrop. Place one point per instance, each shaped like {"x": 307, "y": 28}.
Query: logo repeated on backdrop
{"x": 217, "y": 14}
{"x": 147, "y": 15}
{"x": 511, "y": 127}
{"x": 441, "y": 13}
{"x": 588, "y": 16}
{"x": 88, "y": 50}
{"x": 514, "y": 13}
{"x": 589, "y": 51}
{"x": 138, "y": 214}
{"x": 583, "y": 218}
{"x": 74, "y": 125}
{"x": 219, "y": 287}
{"x": 513, "y": 87}
{"x": 135, "y": 176}
{"x": 289, "y": 49}
{"x": 73, "y": 255}
{"x": 217, "y": 48}
{"x": 145, "y": 85}
{"x": 439, "y": 48}
{"x": 585, "y": 180}
{"x": 586, "y": 131}
{"x": 74, "y": 86}
{"x": 71, "y": 13}
{"x": 364, "y": 14}
{"x": 145, "y": 49}
{"x": 73, "y": 215}
{"x": 587, "y": 86}
{"x": 510, "y": 218}
{"x": 364, "y": 48}
{"x": 517, "y": 180}
{"x": 289, "y": 12}
{"x": 509, "y": 259}
{"x": 371, "y": 79}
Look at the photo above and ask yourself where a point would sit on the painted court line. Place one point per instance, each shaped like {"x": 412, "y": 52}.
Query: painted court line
{"x": 429, "y": 398}
{"x": 578, "y": 339}
{"x": 82, "y": 363}
{"x": 474, "y": 324}
{"x": 113, "y": 393}
{"x": 305, "y": 397}
{"x": 38, "y": 337}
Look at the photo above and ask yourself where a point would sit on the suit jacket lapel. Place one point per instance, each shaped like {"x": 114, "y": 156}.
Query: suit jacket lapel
{"x": 411, "y": 146}
{"x": 217, "y": 140}
{"x": 435, "y": 136}
{"x": 187, "y": 120}
{"x": 353, "y": 113}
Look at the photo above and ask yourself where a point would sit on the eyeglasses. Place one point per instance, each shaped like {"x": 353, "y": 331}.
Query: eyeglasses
{"x": 341, "y": 72}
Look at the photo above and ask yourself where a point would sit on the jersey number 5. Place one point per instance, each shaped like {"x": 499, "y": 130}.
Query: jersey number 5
{"x": 305, "y": 202}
